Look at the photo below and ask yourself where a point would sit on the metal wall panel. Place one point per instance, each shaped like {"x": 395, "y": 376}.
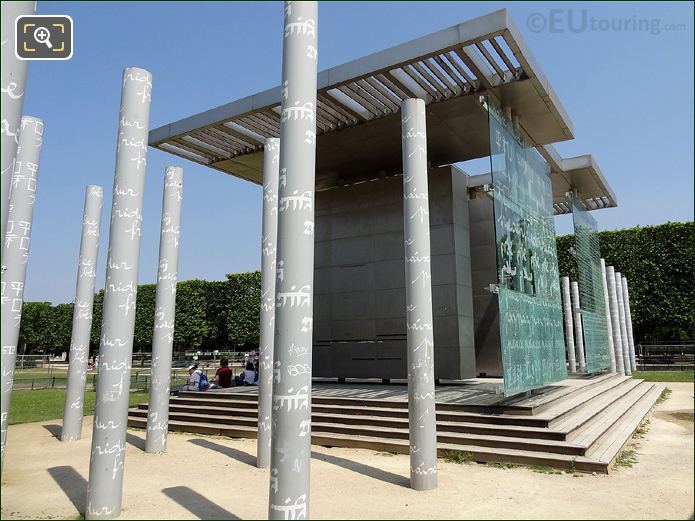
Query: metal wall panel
{"x": 359, "y": 279}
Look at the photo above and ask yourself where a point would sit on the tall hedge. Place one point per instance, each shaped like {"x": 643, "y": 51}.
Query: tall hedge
{"x": 657, "y": 260}
{"x": 659, "y": 263}
{"x": 209, "y": 315}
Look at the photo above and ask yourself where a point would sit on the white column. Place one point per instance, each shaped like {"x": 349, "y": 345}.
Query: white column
{"x": 165, "y": 312}
{"x": 615, "y": 320}
{"x": 73, "y": 410}
{"x": 16, "y": 256}
{"x": 611, "y": 349}
{"x": 623, "y": 324}
{"x": 422, "y": 422}
{"x": 14, "y": 75}
{"x": 578, "y": 328}
{"x": 569, "y": 327}
{"x": 290, "y": 458}
{"x": 107, "y": 459}
{"x": 628, "y": 323}
{"x": 271, "y": 162}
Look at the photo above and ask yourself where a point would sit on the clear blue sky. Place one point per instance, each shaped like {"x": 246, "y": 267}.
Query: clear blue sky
{"x": 629, "y": 93}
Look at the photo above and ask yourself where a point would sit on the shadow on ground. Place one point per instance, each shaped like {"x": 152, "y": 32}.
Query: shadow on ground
{"x": 55, "y": 429}
{"x": 361, "y": 468}
{"x": 73, "y": 485}
{"x": 135, "y": 441}
{"x": 197, "y": 504}
{"x": 239, "y": 455}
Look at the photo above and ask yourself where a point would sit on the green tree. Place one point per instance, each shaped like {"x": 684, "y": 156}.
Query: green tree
{"x": 61, "y": 328}
{"x": 243, "y": 321}
{"x": 35, "y": 327}
{"x": 190, "y": 325}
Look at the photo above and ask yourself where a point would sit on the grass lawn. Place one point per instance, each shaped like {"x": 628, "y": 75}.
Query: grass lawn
{"x": 47, "y": 404}
{"x": 664, "y": 376}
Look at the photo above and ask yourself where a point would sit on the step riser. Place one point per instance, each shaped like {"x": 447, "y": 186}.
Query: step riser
{"x": 402, "y": 414}
{"x": 634, "y": 396}
{"x": 624, "y": 385}
{"x": 400, "y": 447}
{"x": 396, "y": 435}
{"x": 251, "y": 420}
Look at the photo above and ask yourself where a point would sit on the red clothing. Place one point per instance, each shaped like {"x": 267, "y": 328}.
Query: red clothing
{"x": 224, "y": 376}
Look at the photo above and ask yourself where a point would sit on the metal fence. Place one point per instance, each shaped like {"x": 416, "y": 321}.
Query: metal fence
{"x": 665, "y": 356}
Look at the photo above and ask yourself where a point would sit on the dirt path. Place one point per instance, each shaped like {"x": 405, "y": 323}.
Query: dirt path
{"x": 216, "y": 478}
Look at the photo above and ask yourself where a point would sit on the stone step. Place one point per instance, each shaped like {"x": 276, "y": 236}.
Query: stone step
{"x": 589, "y": 432}
{"x": 586, "y": 412}
{"x": 574, "y": 404}
{"x": 609, "y": 445}
{"x": 233, "y": 415}
{"x": 319, "y": 427}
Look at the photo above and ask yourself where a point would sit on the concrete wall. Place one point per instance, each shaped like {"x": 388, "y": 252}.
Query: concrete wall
{"x": 359, "y": 279}
{"x": 484, "y": 273}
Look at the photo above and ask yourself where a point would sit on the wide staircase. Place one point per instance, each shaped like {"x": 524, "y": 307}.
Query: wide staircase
{"x": 573, "y": 428}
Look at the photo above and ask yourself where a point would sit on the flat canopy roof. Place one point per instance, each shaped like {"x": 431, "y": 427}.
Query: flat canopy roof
{"x": 580, "y": 174}
{"x": 357, "y": 118}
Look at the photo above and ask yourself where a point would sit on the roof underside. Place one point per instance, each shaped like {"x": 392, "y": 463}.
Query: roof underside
{"x": 581, "y": 175}
{"x": 357, "y": 118}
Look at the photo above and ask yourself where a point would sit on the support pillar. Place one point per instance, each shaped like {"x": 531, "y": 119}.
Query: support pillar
{"x": 271, "y": 168}
{"x": 615, "y": 320}
{"x": 164, "y": 316}
{"x": 16, "y": 257}
{"x": 73, "y": 410}
{"x": 569, "y": 327}
{"x": 578, "y": 328}
{"x": 609, "y": 328}
{"x": 105, "y": 488}
{"x": 291, "y": 433}
{"x": 623, "y": 324}
{"x": 422, "y": 422}
{"x": 14, "y": 75}
{"x": 628, "y": 324}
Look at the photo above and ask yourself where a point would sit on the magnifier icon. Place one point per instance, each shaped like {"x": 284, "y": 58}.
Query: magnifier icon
{"x": 43, "y": 35}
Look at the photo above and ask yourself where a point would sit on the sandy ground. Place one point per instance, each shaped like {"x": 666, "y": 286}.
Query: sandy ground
{"x": 215, "y": 478}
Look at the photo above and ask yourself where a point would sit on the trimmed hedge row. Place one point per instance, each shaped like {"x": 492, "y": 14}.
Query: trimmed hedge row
{"x": 659, "y": 262}
{"x": 209, "y": 315}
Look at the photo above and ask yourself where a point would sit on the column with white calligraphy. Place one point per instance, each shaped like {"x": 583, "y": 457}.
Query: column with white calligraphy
{"x": 422, "y": 420}
{"x": 105, "y": 488}
{"x": 609, "y": 326}
{"x": 624, "y": 341}
{"x": 14, "y": 75}
{"x": 578, "y": 328}
{"x": 628, "y": 325}
{"x": 291, "y": 431}
{"x": 271, "y": 169}
{"x": 164, "y": 315}
{"x": 569, "y": 326}
{"x": 16, "y": 256}
{"x": 615, "y": 320}
{"x": 73, "y": 410}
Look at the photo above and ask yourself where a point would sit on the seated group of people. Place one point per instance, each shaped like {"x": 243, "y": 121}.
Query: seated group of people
{"x": 224, "y": 377}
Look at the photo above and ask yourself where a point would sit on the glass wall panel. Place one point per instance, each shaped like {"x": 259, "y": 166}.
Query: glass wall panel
{"x": 591, "y": 299}
{"x": 531, "y": 322}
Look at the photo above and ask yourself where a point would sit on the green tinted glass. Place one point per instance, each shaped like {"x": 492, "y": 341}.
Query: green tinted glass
{"x": 531, "y": 323}
{"x": 591, "y": 298}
